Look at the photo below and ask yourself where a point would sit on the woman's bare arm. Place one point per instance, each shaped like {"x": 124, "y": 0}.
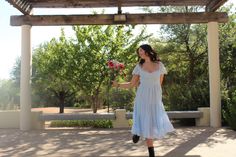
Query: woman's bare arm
{"x": 161, "y": 78}
{"x": 133, "y": 83}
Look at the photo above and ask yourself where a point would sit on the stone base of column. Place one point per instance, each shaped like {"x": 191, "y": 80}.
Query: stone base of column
{"x": 11, "y": 120}
{"x": 121, "y": 121}
{"x": 205, "y": 119}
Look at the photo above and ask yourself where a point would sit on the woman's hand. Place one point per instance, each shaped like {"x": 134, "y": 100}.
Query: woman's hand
{"x": 114, "y": 84}
{"x": 134, "y": 83}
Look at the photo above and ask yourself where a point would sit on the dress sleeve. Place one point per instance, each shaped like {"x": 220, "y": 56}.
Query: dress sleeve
{"x": 136, "y": 70}
{"x": 163, "y": 68}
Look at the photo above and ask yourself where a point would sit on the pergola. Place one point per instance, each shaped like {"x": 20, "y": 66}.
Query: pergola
{"x": 27, "y": 20}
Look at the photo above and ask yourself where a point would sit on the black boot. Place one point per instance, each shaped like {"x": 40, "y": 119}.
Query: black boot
{"x": 151, "y": 151}
{"x": 135, "y": 138}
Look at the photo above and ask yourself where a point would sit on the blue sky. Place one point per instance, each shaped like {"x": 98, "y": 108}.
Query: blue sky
{"x": 10, "y": 37}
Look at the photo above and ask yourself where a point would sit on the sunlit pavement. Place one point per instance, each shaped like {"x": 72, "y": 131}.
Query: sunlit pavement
{"x": 185, "y": 142}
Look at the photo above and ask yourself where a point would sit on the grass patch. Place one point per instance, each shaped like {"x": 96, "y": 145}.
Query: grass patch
{"x": 82, "y": 123}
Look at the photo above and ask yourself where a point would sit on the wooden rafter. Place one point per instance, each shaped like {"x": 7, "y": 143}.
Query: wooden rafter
{"x": 213, "y": 5}
{"x": 112, "y": 3}
{"x": 22, "y": 5}
{"x": 108, "y": 19}
{"x": 25, "y": 6}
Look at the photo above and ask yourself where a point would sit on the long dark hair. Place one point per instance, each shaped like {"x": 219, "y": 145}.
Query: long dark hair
{"x": 148, "y": 51}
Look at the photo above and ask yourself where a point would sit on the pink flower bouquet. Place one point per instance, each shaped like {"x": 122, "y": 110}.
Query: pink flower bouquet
{"x": 116, "y": 68}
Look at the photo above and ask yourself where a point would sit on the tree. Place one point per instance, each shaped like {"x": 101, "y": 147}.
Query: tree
{"x": 93, "y": 47}
{"x": 227, "y": 65}
{"x": 183, "y": 48}
{"x": 62, "y": 68}
{"x": 187, "y": 45}
{"x": 228, "y": 48}
{"x": 51, "y": 62}
{"x": 9, "y": 95}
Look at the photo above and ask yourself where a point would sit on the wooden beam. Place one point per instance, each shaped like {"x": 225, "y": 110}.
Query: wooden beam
{"x": 22, "y": 5}
{"x": 108, "y": 19}
{"x": 213, "y": 5}
{"x": 112, "y": 3}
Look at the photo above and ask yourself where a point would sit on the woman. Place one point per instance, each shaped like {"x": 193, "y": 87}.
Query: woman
{"x": 150, "y": 120}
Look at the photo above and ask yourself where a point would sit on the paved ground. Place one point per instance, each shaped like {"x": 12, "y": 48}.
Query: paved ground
{"x": 185, "y": 142}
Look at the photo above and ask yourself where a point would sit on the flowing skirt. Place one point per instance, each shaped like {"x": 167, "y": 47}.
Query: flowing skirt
{"x": 150, "y": 119}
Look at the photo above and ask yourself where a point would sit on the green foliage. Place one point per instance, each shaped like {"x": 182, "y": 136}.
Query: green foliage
{"x": 9, "y": 95}
{"x": 78, "y": 68}
{"x": 51, "y": 68}
{"x": 92, "y": 48}
{"x": 82, "y": 123}
{"x": 68, "y": 70}
{"x": 130, "y": 122}
{"x": 122, "y": 99}
{"x": 15, "y": 72}
{"x": 228, "y": 49}
{"x": 183, "y": 50}
{"x": 184, "y": 97}
{"x": 228, "y": 68}
{"x": 229, "y": 110}
{"x": 82, "y": 104}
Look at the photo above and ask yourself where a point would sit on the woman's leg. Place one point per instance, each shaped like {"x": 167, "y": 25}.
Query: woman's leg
{"x": 150, "y": 147}
{"x": 149, "y": 142}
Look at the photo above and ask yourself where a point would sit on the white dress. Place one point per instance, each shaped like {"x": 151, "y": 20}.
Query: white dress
{"x": 150, "y": 119}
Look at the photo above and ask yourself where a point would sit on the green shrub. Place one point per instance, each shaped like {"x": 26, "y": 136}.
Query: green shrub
{"x": 82, "y": 105}
{"x": 184, "y": 97}
{"x": 229, "y": 111}
{"x": 122, "y": 99}
{"x": 224, "y": 107}
{"x": 82, "y": 123}
{"x": 130, "y": 122}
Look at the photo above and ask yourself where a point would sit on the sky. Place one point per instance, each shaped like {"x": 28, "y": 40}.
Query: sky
{"x": 10, "y": 37}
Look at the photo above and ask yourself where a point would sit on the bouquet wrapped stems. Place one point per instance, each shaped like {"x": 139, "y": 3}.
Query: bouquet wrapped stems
{"x": 115, "y": 68}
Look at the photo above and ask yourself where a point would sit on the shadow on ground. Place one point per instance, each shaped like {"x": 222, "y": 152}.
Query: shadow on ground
{"x": 108, "y": 142}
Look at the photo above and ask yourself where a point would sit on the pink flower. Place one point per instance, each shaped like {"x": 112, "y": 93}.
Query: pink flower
{"x": 113, "y": 64}
{"x": 115, "y": 67}
{"x": 110, "y": 64}
{"x": 122, "y": 66}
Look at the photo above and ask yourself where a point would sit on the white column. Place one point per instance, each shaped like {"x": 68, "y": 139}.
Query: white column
{"x": 214, "y": 74}
{"x": 25, "y": 81}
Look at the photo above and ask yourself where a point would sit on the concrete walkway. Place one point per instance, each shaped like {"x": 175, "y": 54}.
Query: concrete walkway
{"x": 185, "y": 142}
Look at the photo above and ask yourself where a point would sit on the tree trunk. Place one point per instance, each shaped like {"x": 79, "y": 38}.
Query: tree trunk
{"x": 191, "y": 70}
{"x": 94, "y": 107}
{"x": 190, "y": 58}
{"x": 95, "y": 103}
{"x": 62, "y": 101}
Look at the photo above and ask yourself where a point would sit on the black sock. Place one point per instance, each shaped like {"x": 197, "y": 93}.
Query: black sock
{"x": 151, "y": 151}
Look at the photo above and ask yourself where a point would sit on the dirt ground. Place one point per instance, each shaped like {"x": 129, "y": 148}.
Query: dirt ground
{"x": 67, "y": 110}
